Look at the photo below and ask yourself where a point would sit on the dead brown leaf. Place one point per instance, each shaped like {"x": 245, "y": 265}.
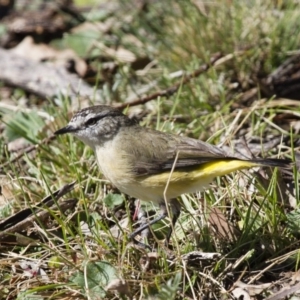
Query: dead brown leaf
{"x": 43, "y": 52}
{"x": 222, "y": 227}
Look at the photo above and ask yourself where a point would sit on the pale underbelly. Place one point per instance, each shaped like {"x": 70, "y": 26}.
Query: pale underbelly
{"x": 162, "y": 186}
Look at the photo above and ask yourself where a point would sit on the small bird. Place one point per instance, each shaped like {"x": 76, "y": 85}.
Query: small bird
{"x": 152, "y": 165}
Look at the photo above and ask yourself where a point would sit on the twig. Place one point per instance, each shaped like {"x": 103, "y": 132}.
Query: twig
{"x": 173, "y": 89}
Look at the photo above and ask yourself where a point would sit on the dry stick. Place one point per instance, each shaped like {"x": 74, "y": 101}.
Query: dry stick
{"x": 46, "y": 202}
{"x": 173, "y": 89}
{"x": 41, "y": 215}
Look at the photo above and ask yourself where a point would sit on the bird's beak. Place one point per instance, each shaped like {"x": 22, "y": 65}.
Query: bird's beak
{"x": 66, "y": 129}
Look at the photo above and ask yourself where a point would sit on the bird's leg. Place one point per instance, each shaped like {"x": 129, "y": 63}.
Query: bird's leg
{"x": 141, "y": 216}
{"x": 175, "y": 209}
{"x": 161, "y": 216}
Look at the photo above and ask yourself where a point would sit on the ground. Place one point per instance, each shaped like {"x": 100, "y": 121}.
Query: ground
{"x": 226, "y": 72}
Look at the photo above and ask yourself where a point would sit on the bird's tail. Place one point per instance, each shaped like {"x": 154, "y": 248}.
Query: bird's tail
{"x": 272, "y": 162}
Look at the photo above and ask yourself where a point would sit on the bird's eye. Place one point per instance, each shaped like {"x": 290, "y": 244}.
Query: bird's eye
{"x": 91, "y": 121}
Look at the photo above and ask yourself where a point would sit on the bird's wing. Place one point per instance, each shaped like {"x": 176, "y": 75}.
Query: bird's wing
{"x": 156, "y": 152}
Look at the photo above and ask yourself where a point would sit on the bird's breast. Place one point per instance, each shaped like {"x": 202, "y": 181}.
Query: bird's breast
{"x": 114, "y": 165}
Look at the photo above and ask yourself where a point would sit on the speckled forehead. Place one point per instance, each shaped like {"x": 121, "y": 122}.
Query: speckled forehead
{"x": 81, "y": 116}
